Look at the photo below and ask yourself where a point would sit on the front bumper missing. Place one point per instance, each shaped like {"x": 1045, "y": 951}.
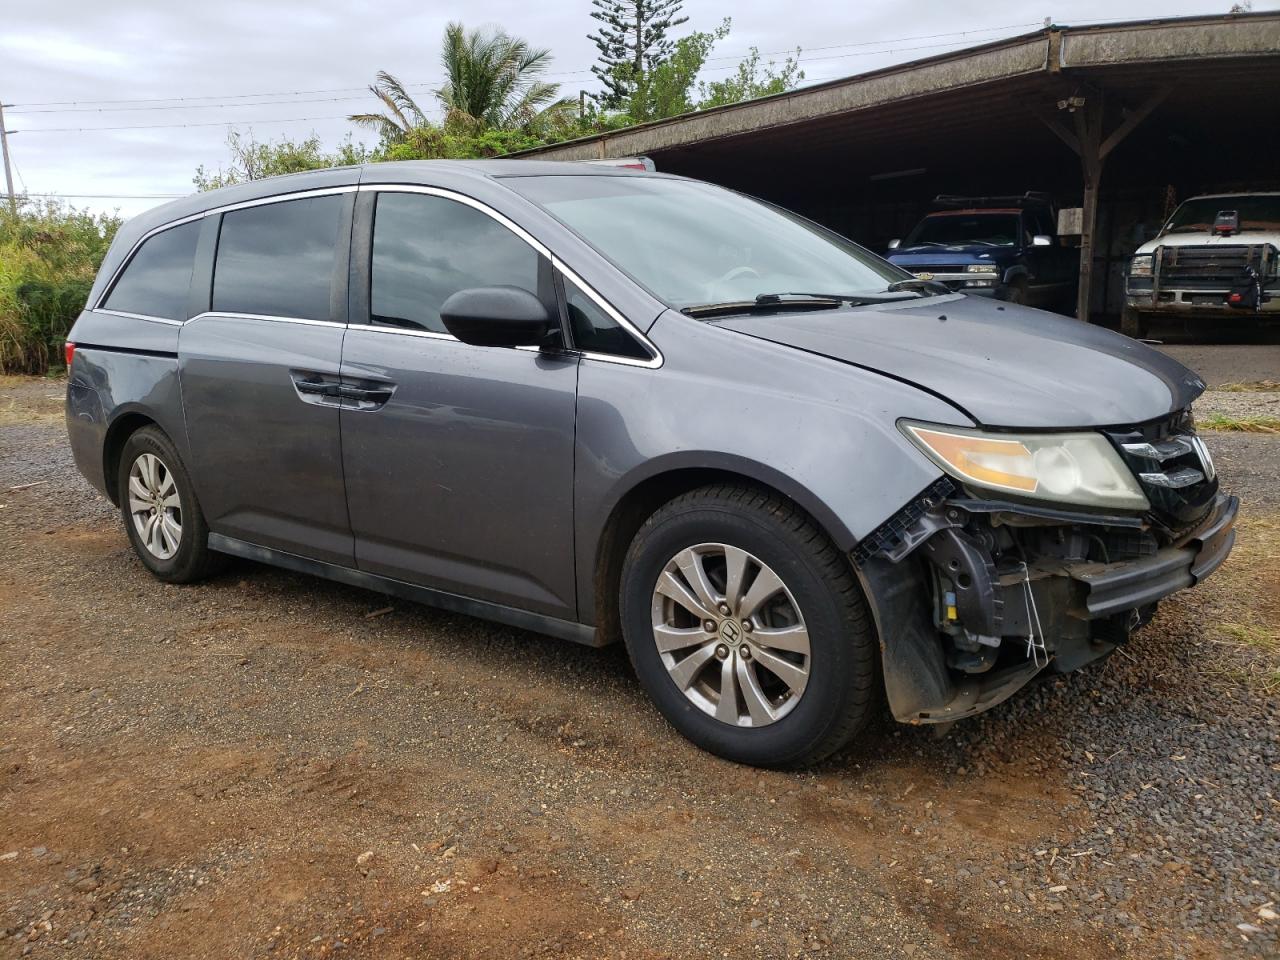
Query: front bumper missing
{"x": 1116, "y": 587}
{"x": 1080, "y": 609}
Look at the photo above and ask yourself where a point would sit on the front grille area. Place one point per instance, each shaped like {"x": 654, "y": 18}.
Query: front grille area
{"x": 1216, "y": 268}
{"x": 1174, "y": 469}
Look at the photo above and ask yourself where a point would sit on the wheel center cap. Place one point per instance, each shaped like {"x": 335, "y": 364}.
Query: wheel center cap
{"x": 730, "y": 631}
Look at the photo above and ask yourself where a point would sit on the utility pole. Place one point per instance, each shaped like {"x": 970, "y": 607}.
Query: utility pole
{"x": 8, "y": 173}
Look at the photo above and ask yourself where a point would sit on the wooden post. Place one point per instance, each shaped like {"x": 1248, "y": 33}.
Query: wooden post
{"x": 1088, "y": 121}
{"x": 1089, "y": 144}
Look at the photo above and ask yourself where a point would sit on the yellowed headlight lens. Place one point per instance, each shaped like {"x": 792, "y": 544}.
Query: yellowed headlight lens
{"x": 997, "y": 463}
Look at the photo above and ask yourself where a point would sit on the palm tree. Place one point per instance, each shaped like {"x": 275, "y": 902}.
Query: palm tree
{"x": 493, "y": 82}
{"x": 405, "y": 114}
{"x": 493, "y": 77}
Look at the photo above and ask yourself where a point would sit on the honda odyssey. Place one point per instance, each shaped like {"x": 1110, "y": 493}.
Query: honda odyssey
{"x": 605, "y": 404}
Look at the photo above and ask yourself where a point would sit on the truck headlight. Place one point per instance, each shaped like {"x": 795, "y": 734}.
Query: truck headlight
{"x": 1080, "y": 468}
{"x": 989, "y": 269}
{"x": 1140, "y": 266}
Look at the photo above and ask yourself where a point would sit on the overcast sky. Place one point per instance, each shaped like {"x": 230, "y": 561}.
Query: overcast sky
{"x": 240, "y": 64}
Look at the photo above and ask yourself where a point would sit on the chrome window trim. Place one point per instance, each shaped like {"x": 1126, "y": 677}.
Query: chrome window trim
{"x": 404, "y": 332}
{"x": 465, "y": 200}
{"x": 261, "y": 201}
{"x": 656, "y": 359}
{"x": 270, "y": 318}
{"x": 138, "y": 316}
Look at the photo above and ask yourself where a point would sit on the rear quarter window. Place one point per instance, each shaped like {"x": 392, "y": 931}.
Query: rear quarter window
{"x": 157, "y": 280}
{"x": 277, "y": 259}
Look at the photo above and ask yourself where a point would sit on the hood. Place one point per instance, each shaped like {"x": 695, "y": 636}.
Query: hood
{"x": 1002, "y": 365}
{"x": 925, "y": 255}
{"x": 1205, "y": 239}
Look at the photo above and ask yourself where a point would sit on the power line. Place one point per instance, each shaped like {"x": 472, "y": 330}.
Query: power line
{"x": 220, "y": 123}
{"x": 170, "y": 126}
{"x": 107, "y": 196}
{"x": 77, "y": 106}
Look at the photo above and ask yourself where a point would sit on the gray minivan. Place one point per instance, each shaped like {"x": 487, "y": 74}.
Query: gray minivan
{"x": 607, "y": 404}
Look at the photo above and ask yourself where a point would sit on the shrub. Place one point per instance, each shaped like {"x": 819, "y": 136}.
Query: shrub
{"x": 49, "y": 254}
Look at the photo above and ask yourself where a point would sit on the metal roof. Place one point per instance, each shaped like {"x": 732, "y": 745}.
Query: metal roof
{"x": 1219, "y": 67}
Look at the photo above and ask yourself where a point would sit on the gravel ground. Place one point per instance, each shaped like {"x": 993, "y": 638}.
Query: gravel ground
{"x": 1239, "y": 405}
{"x": 1219, "y": 364}
{"x": 269, "y": 765}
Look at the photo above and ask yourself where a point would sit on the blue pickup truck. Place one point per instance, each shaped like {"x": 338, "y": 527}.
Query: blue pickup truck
{"x": 1002, "y": 247}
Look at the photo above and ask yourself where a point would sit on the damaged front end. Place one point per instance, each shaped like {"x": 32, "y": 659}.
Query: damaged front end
{"x": 974, "y": 596}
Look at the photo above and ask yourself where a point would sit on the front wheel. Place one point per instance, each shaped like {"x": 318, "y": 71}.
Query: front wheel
{"x": 1134, "y": 324}
{"x": 747, "y": 628}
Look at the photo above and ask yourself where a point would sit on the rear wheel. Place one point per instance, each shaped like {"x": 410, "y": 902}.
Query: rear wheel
{"x": 161, "y": 514}
{"x": 747, "y": 628}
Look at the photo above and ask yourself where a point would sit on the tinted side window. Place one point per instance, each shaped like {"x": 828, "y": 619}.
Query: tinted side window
{"x": 157, "y": 279}
{"x": 594, "y": 330}
{"x": 277, "y": 259}
{"x": 427, "y": 248}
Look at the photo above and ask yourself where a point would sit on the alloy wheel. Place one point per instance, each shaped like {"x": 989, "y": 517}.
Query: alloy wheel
{"x": 155, "y": 506}
{"x": 730, "y": 635}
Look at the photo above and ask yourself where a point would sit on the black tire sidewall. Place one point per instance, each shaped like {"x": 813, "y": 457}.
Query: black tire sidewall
{"x": 834, "y": 659}
{"x": 192, "y": 551}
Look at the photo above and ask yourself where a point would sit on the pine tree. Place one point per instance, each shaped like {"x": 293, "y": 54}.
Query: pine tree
{"x": 631, "y": 39}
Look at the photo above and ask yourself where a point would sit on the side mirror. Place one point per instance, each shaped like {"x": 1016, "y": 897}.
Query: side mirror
{"x": 1040, "y": 240}
{"x": 497, "y": 317}
{"x": 893, "y": 244}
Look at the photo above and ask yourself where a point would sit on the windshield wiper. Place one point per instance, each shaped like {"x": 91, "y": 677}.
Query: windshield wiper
{"x": 767, "y": 302}
{"x": 927, "y": 288}
{"x": 773, "y": 302}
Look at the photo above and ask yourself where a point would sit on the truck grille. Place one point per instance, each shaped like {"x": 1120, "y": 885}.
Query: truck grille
{"x": 1212, "y": 268}
{"x": 1174, "y": 468}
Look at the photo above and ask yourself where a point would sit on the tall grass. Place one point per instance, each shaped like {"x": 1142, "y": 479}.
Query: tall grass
{"x": 49, "y": 254}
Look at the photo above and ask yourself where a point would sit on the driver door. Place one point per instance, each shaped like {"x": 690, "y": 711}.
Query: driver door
{"x": 459, "y": 464}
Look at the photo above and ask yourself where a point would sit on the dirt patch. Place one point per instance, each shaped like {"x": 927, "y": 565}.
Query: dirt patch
{"x": 32, "y": 399}
{"x": 254, "y": 767}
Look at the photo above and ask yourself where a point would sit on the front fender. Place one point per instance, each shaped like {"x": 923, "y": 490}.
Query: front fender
{"x": 819, "y": 431}
{"x": 1015, "y": 271}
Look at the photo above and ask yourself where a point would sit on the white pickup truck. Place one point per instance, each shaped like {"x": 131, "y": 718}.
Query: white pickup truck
{"x": 1218, "y": 257}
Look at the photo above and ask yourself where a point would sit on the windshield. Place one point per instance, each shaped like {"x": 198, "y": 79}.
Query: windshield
{"x": 691, "y": 243}
{"x": 943, "y": 229}
{"x": 1196, "y": 216}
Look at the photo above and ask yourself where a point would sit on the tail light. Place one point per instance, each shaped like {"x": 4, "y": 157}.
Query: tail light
{"x": 69, "y": 351}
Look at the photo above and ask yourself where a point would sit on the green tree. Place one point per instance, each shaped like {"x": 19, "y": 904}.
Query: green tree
{"x": 751, "y": 80}
{"x": 667, "y": 89}
{"x": 632, "y": 40}
{"x": 403, "y": 115}
{"x": 671, "y": 86}
{"x": 49, "y": 254}
{"x": 493, "y": 82}
{"x": 495, "y": 78}
{"x": 252, "y": 159}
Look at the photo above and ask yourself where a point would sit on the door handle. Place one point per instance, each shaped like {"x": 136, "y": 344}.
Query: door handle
{"x": 316, "y": 388}
{"x": 366, "y": 398}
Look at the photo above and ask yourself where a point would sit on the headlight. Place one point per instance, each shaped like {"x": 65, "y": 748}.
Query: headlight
{"x": 1140, "y": 266}
{"x": 1081, "y": 468}
{"x": 989, "y": 268}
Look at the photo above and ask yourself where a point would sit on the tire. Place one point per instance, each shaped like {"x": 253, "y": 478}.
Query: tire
{"x": 1017, "y": 293}
{"x": 176, "y": 546}
{"x": 1134, "y": 324}
{"x": 773, "y": 725}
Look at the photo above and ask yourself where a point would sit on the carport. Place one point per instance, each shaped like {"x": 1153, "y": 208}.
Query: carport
{"x": 1123, "y": 120}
